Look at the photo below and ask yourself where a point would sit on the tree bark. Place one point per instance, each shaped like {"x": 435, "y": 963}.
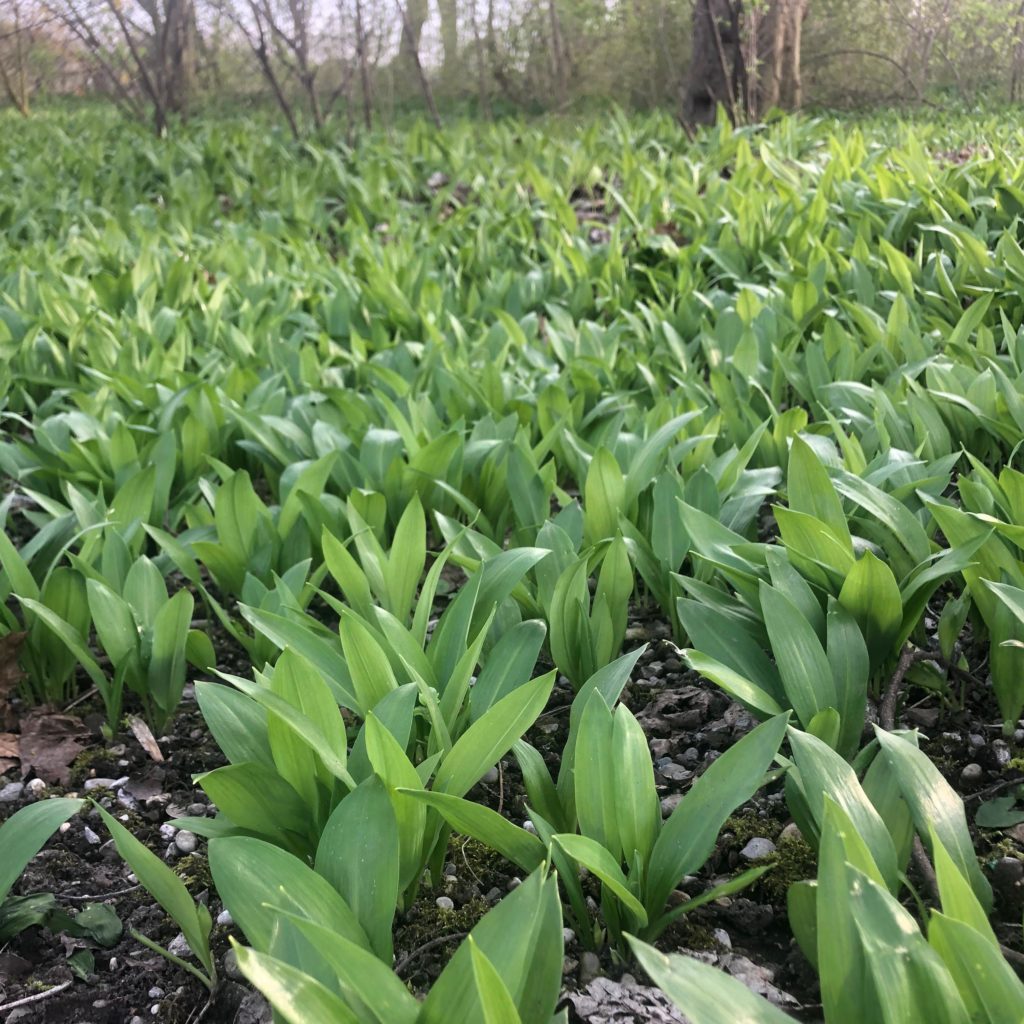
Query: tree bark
{"x": 449, "y": 12}
{"x": 745, "y": 57}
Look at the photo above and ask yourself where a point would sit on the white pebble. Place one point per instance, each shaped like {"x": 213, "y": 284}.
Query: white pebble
{"x": 444, "y": 903}
{"x": 186, "y": 841}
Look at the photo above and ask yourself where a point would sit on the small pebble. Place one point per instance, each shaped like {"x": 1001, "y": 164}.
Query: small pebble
{"x": 225, "y": 919}
{"x": 513, "y": 883}
{"x": 178, "y": 946}
{"x": 444, "y": 903}
{"x": 568, "y": 936}
{"x": 64, "y": 827}
{"x": 757, "y": 848}
{"x": 11, "y": 792}
{"x": 674, "y": 772}
{"x": 529, "y": 826}
{"x": 590, "y": 967}
{"x": 660, "y": 748}
{"x": 791, "y": 831}
{"x": 136, "y": 1020}
{"x": 197, "y": 810}
{"x": 972, "y": 773}
{"x": 105, "y": 783}
{"x": 35, "y": 788}
{"x": 628, "y": 980}
{"x": 167, "y": 830}
{"x": 976, "y": 740}
{"x": 670, "y": 803}
{"x": 186, "y": 841}
{"x": 721, "y": 936}
{"x": 1001, "y": 752}
{"x": 490, "y": 776}
{"x": 90, "y": 837}
{"x": 156, "y": 993}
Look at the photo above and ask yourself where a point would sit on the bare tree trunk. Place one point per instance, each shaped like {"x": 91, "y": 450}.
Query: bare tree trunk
{"x": 180, "y": 53}
{"x": 414, "y": 55}
{"x": 485, "y": 102}
{"x": 449, "y": 12}
{"x": 747, "y": 58}
{"x": 15, "y": 81}
{"x": 557, "y": 54}
{"x": 364, "y": 68}
{"x": 1017, "y": 66}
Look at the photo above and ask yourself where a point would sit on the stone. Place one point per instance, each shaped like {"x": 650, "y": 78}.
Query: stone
{"x": 111, "y": 784}
{"x": 11, "y": 792}
{"x": 231, "y": 968}
{"x": 757, "y": 849}
{"x": 568, "y": 936}
{"x": 490, "y": 776}
{"x": 254, "y": 1009}
{"x": 674, "y": 772}
{"x": 90, "y": 837}
{"x": 791, "y": 831}
{"x": 670, "y": 803}
{"x": 721, "y": 936}
{"x": 168, "y": 831}
{"x": 197, "y": 810}
{"x": 971, "y": 774}
{"x": 155, "y": 993}
{"x": 35, "y": 788}
{"x": 224, "y": 919}
{"x": 445, "y": 903}
{"x": 186, "y": 841}
{"x": 590, "y": 967}
{"x": 179, "y": 947}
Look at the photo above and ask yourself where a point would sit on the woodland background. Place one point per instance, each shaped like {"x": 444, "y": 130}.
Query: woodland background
{"x": 357, "y": 62}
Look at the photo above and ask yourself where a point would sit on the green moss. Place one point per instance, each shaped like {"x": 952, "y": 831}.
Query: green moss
{"x": 194, "y": 871}
{"x": 741, "y": 828}
{"x": 88, "y": 763}
{"x": 793, "y": 861}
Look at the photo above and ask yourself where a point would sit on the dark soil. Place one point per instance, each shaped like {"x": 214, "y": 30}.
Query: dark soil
{"x": 689, "y": 723}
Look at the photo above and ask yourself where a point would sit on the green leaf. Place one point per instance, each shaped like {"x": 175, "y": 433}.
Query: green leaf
{"x": 704, "y": 993}
{"x": 489, "y": 738}
{"x": 296, "y": 996}
{"x": 872, "y": 596}
{"x": 490, "y": 828}
{"x": 936, "y": 808}
{"x": 811, "y": 491}
{"x": 688, "y": 837}
{"x": 803, "y": 665}
{"x": 23, "y": 834}
{"x": 359, "y": 855}
{"x": 167, "y": 889}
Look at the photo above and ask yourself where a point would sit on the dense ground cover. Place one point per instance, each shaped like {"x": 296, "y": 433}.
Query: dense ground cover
{"x": 473, "y": 563}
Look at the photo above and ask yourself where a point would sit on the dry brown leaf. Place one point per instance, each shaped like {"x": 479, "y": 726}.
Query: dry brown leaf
{"x": 50, "y": 743}
{"x": 145, "y": 737}
{"x": 10, "y": 751}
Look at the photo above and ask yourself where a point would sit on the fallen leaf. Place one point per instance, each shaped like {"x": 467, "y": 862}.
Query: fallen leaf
{"x": 145, "y": 737}
{"x": 10, "y": 751}
{"x": 49, "y": 745}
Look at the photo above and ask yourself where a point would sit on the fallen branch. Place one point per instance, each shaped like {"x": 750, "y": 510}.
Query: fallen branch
{"x": 426, "y": 947}
{"x": 37, "y": 998}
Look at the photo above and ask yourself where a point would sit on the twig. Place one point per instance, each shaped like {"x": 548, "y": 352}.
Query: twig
{"x": 91, "y": 692}
{"x": 104, "y": 895}
{"x": 426, "y": 947}
{"x": 887, "y": 709}
{"x": 37, "y": 998}
{"x": 1012, "y": 955}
